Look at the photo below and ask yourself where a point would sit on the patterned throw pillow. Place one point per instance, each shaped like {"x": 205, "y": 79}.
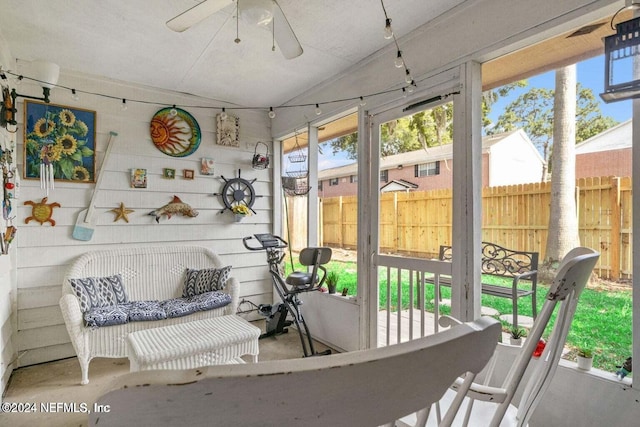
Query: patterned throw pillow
{"x": 205, "y": 280}
{"x": 99, "y": 291}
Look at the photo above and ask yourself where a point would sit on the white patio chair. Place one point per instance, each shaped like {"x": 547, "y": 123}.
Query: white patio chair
{"x": 362, "y": 388}
{"x": 491, "y": 406}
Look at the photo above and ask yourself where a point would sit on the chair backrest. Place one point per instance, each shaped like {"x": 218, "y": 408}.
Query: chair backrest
{"x": 316, "y": 257}
{"x": 360, "y": 388}
{"x": 571, "y": 278}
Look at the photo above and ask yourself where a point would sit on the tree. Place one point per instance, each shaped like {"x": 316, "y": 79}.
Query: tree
{"x": 422, "y": 130}
{"x": 533, "y": 111}
{"x": 563, "y": 221}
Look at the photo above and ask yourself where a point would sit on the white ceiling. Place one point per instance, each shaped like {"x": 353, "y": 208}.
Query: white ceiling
{"x": 128, "y": 40}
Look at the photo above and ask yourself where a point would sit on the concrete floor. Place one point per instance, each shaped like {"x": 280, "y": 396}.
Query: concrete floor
{"x": 56, "y": 383}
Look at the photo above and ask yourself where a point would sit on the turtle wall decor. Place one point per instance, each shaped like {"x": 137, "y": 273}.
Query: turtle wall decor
{"x": 41, "y": 211}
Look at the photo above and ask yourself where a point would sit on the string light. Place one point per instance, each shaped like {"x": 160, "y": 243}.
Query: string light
{"x": 399, "y": 62}
{"x": 388, "y": 32}
{"x": 272, "y": 113}
{"x": 223, "y": 115}
{"x": 74, "y": 95}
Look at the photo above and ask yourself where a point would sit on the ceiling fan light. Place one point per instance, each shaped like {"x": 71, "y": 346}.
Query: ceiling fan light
{"x": 256, "y": 12}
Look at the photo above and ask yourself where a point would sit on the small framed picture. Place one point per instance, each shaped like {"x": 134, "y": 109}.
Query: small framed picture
{"x": 168, "y": 173}
{"x": 188, "y": 173}
{"x": 139, "y": 178}
{"x": 206, "y": 166}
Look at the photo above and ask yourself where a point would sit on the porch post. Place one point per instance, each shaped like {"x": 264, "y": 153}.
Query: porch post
{"x": 467, "y": 194}
{"x": 635, "y": 207}
{"x": 278, "y": 198}
{"x": 312, "y": 196}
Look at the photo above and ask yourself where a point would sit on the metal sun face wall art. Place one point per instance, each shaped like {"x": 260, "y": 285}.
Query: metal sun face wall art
{"x": 175, "y": 132}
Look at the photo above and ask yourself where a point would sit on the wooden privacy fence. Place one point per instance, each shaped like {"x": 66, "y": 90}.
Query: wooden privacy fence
{"x": 515, "y": 216}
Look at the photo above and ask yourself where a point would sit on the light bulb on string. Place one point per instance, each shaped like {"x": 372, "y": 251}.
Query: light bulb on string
{"x": 223, "y": 115}
{"x": 362, "y": 102}
{"x": 404, "y": 92}
{"x": 388, "y": 32}
{"x": 410, "y": 88}
{"x": 399, "y": 62}
{"x": 173, "y": 112}
{"x": 124, "y": 104}
{"x": 272, "y": 114}
{"x": 318, "y": 110}
{"x": 74, "y": 95}
{"x": 407, "y": 77}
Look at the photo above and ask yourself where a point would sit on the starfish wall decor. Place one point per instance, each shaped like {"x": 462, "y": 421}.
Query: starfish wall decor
{"x": 121, "y": 213}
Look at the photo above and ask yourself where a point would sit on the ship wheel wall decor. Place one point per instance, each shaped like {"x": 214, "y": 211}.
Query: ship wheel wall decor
{"x": 237, "y": 191}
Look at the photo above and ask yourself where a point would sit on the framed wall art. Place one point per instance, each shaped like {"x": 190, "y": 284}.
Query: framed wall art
{"x": 168, "y": 173}
{"x": 59, "y": 138}
{"x": 188, "y": 173}
{"x": 138, "y": 178}
{"x": 206, "y": 166}
{"x": 227, "y": 130}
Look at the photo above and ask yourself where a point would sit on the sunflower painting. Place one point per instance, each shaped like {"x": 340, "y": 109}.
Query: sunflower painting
{"x": 61, "y": 136}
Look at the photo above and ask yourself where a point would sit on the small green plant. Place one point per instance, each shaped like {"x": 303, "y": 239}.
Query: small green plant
{"x": 517, "y": 333}
{"x": 332, "y": 278}
{"x": 585, "y": 352}
{"x": 332, "y": 281}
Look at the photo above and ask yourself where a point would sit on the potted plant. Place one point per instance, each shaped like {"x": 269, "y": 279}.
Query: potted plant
{"x": 240, "y": 211}
{"x": 585, "y": 359}
{"x": 515, "y": 336}
{"x": 332, "y": 281}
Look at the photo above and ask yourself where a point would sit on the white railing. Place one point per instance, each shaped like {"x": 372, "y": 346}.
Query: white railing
{"x": 416, "y": 322}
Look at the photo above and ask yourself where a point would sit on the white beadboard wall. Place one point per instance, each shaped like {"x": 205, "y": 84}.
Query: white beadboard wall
{"x": 44, "y": 251}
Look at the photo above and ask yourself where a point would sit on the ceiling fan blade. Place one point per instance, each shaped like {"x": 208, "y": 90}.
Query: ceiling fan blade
{"x": 284, "y": 35}
{"x": 197, "y": 13}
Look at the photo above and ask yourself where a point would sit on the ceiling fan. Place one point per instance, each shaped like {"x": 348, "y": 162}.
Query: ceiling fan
{"x": 266, "y": 13}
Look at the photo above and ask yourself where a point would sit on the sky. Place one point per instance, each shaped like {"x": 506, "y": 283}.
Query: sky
{"x": 590, "y": 74}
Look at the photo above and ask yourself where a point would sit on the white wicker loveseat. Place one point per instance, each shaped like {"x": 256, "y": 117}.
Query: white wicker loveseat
{"x": 148, "y": 274}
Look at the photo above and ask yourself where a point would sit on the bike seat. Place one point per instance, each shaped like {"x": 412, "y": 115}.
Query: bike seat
{"x": 300, "y": 279}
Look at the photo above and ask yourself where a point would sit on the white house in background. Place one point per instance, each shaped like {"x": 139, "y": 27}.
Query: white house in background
{"x": 606, "y": 154}
{"x": 508, "y": 158}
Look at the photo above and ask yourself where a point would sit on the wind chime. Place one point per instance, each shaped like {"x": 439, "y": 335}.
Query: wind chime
{"x": 46, "y": 170}
{"x": 296, "y": 183}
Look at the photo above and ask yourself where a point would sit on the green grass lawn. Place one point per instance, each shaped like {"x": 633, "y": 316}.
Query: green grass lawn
{"x": 602, "y": 320}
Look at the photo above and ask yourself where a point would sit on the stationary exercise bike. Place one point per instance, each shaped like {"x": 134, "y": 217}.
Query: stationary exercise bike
{"x": 290, "y": 288}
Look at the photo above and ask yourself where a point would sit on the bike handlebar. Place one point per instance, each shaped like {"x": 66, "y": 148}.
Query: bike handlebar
{"x": 266, "y": 240}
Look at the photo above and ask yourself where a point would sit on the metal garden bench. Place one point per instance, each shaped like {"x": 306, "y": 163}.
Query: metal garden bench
{"x": 520, "y": 266}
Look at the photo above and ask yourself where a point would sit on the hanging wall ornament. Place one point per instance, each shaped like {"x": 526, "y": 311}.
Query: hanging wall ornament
{"x": 175, "y": 132}
{"x": 41, "y": 211}
{"x": 260, "y": 160}
{"x": 237, "y": 191}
